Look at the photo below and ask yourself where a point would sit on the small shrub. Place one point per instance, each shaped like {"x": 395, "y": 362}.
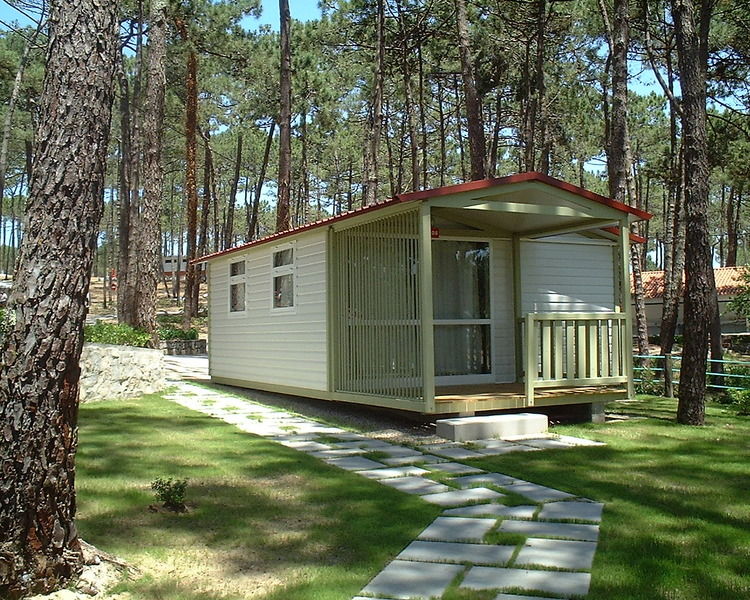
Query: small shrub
{"x": 740, "y": 401}
{"x": 171, "y": 493}
{"x": 175, "y": 333}
{"x": 648, "y": 385}
{"x": 115, "y": 333}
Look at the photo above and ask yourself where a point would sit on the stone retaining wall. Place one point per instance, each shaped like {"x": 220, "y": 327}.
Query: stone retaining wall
{"x": 109, "y": 371}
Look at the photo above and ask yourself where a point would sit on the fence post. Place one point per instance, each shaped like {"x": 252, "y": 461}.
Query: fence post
{"x": 668, "y": 387}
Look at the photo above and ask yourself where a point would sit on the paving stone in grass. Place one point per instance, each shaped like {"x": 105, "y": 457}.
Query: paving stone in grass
{"x": 494, "y": 510}
{"x": 390, "y": 472}
{"x": 457, "y": 453}
{"x": 462, "y": 497}
{"x": 546, "y": 443}
{"x": 457, "y": 529}
{"x": 416, "y": 459}
{"x": 454, "y": 468}
{"x": 555, "y": 582}
{"x": 559, "y": 554}
{"x": 338, "y": 452}
{"x": 354, "y": 463}
{"x": 416, "y": 485}
{"x": 369, "y": 444}
{"x": 508, "y": 450}
{"x": 452, "y": 552}
{"x": 574, "y": 511}
{"x": 500, "y": 597}
{"x": 349, "y": 436}
{"x": 576, "y": 441}
{"x": 305, "y": 446}
{"x": 493, "y": 443}
{"x": 408, "y": 579}
{"x": 395, "y": 451}
{"x": 492, "y": 478}
{"x": 538, "y": 493}
{"x": 571, "y": 531}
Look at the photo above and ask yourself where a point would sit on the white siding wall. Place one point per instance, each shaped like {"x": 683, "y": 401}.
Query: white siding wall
{"x": 565, "y": 274}
{"x": 503, "y": 343}
{"x": 261, "y": 345}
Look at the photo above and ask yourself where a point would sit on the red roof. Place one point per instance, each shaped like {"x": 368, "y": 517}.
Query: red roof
{"x": 728, "y": 282}
{"x": 437, "y": 192}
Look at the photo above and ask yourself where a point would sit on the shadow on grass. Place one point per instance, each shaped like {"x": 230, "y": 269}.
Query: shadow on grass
{"x": 258, "y": 506}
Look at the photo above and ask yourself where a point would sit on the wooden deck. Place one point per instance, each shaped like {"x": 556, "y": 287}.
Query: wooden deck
{"x": 499, "y": 396}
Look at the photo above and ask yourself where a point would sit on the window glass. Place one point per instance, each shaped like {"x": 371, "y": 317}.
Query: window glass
{"x": 283, "y": 257}
{"x": 283, "y": 291}
{"x": 237, "y": 297}
{"x": 237, "y": 268}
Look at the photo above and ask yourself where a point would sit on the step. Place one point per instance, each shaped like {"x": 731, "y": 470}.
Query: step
{"x": 464, "y": 429}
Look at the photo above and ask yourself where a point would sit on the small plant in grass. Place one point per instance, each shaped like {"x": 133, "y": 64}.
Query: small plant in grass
{"x": 116, "y": 333}
{"x": 171, "y": 493}
{"x": 740, "y": 401}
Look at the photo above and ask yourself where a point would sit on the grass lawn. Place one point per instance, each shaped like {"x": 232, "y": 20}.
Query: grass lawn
{"x": 677, "y": 517}
{"x": 268, "y": 522}
{"x": 272, "y": 523}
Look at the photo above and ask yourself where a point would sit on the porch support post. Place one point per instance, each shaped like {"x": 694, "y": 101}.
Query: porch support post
{"x": 517, "y": 314}
{"x": 426, "y": 309}
{"x": 627, "y": 337}
{"x": 332, "y": 329}
{"x": 531, "y": 358}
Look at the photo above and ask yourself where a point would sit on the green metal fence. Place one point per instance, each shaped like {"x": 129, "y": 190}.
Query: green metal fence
{"x": 722, "y": 374}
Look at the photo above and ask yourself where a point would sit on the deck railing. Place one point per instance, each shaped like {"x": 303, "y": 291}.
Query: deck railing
{"x": 575, "y": 349}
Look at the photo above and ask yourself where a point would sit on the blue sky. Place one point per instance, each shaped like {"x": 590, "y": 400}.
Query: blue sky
{"x": 302, "y": 10}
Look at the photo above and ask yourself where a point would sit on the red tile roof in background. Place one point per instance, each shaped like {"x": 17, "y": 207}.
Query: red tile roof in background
{"x": 728, "y": 282}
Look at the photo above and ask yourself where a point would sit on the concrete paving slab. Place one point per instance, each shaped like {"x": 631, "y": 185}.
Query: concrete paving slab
{"x": 453, "y": 468}
{"x": 576, "y": 441}
{"x": 395, "y": 451}
{"x": 485, "y": 478}
{"x": 338, "y": 452}
{"x": 573, "y": 511}
{"x": 492, "y": 510}
{"x": 390, "y": 472}
{"x": 462, "y": 497}
{"x": 369, "y": 444}
{"x": 570, "y": 531}
{"x": 308, "y": 446}
{"x": 451, "y": 552}
{"x": 416, "y": 459}
{"x": 457, "y": 453}
{"x": 457, "y": 529}
{"x": 508, "y": 450}
{"x": 355, "y": 463}
{"x": 416, "y": 485}
{"x": 559, "y": 554}
{"x": 407, "y": 579}
{"x": 546, "y": 443}
{"x": 538, "y": 493}
{"x": 493, "y": 443}
{"x": 350, "y": 436}
{"x": 555, "y": 582}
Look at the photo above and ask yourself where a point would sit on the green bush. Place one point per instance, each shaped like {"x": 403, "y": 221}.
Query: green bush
{"x": 740, "y": 401}
{"x": 175, "y": 333}
{"x": 171, "y": 492}
{"x": 115, "y": 333}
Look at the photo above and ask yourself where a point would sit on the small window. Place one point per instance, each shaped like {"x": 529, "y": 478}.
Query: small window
{"x": 283, "y": 278}
{"x": 237, "y": 286}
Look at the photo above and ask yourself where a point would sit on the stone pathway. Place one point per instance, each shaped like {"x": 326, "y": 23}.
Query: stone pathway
{"x": 547, "y": 537}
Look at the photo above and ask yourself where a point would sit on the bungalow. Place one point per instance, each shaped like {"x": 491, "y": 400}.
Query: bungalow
{"x": 495, "y": 294}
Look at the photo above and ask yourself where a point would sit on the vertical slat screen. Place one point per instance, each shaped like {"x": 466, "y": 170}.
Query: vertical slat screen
{"x": 377, "y": 308}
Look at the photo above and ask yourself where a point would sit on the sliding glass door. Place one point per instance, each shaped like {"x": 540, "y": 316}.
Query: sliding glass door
{"x": 462, "y": 319}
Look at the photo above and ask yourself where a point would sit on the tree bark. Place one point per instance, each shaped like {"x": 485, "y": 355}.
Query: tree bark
{"x": 283, "y": 208}
{"x": 473, "y": 106}
{"x": 229, "y": 228}
{"x": 691, "y": 19}
{"x": 39, "y": 375}
{"x": 252, "y": 225}
{"x": 375, "y": 115}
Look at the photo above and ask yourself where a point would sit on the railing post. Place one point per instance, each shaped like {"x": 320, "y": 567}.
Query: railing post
{"x": 668, "y": 386}
{"x": 531, "y": 354}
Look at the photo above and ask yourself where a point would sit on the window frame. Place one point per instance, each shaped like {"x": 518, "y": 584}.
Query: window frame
{"x": 240, "y": 279}
{"x": 287, "y": 269}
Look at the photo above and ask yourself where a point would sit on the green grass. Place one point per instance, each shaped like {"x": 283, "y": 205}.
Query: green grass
{"x": 265, "y": 521}
{"x": 677, "y": 518}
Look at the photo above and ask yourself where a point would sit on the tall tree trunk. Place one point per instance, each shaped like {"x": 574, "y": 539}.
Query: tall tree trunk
{"x": 691, "y": 19}
{"x": 125, "y": 307}
{"x": 375, "y": 115}
{"x": 253, "y": 223}
{"x": 145, "y": 238}
{"x": 473, "y": 104}
{"x": 39, "y": 372}
{"x": 229, "y": 228}
{"x": 191, "y": 180}
{"x": 283, "y": 207}
{"x": 207, "y": 189}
